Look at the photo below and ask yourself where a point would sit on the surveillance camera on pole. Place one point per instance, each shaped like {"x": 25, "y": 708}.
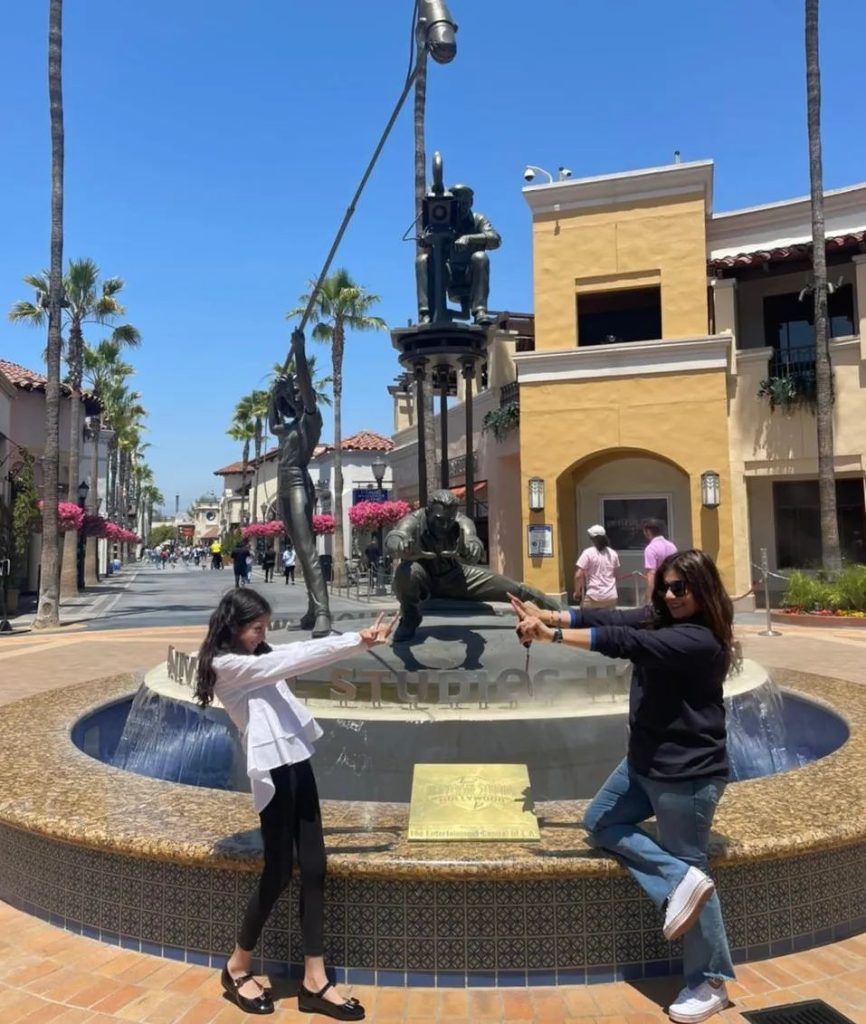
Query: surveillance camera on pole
{"x": 437, "y": 30}
{"x": 529, "y": 174}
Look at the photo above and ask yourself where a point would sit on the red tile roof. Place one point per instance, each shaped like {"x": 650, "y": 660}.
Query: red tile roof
{"x": 785, "y": 253}
{"x": 27, "y": 380}
{"x": 363, "y": 441}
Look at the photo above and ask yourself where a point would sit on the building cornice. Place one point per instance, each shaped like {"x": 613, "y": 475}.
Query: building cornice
{"x": 628, "y": 187}
{"x": 630, "y": 359}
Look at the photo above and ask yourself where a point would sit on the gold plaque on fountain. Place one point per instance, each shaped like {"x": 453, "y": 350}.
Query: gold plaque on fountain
{"x": 471, "y": 802}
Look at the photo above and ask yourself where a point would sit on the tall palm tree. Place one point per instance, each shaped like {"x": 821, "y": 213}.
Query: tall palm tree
{"x": 85, "y": 301}
{"x": 243, "y": 431}
{"x": 831, "y": 554}
{"x": 104, "y": 371}
{"x": 253, "y": 408}
{"x": 48, "y": 611}
{"x": 340, "y": 305}
{"x": 420, "y": 112}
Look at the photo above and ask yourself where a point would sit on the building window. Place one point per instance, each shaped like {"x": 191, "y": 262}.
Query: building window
{"x": 798, "y": 522}
{"x": 789, "y": 323}
{"x": 628, "y": 314}
{"x": 622, "y": 518}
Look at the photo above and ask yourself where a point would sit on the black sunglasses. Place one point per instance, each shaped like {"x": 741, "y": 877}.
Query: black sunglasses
{"x": 679, "y": 588}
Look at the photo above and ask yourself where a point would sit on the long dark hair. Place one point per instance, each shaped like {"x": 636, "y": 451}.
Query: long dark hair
{"x": 238, "y": 608}
{"x": 705, "y": 585}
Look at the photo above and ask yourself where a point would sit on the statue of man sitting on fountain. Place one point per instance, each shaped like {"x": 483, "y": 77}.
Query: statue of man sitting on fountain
{"x": 439, "y": 551}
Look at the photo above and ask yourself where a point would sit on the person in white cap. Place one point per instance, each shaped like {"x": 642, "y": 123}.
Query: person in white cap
{"x": 595, "y": 572}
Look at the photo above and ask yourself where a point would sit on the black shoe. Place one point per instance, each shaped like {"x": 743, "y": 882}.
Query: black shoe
{"x": 313, "y": 1002}
{"x": 259, "y": 1004}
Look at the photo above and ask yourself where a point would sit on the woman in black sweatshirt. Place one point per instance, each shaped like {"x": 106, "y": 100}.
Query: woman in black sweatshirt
{"x": 682, "y": 648}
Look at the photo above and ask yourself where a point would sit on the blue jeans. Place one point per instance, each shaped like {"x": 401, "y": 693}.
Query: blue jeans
{"x": 684, "y": 815}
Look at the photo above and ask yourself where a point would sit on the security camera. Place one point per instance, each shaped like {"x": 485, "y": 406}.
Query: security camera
{"x": 529, "y": 174}
{"x": 564, "y": 172}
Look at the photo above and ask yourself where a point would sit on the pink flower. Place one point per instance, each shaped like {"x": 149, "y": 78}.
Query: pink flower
{"x": 370, "y": 515}
{"x": 324, "y": 524}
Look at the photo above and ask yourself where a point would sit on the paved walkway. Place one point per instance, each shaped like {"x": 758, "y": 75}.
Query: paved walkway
{"x": 47, "y": 975}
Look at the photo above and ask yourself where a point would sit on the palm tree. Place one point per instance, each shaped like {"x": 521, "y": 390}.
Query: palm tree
{"x": 85, "y": 301}
{"x": 48, "y": 612}
{"x": 831, "y": 554}
{"x": 253, "y": 408}
{"x": 104, "y": 370}
{"x": 340, "y": 306}
{"x": 420, "y": 191}
{"x": 243, "y": 431}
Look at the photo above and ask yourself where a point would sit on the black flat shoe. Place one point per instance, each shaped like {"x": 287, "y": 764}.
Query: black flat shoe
{"x": 258, "y": 1004}
{"x": 313, "y": 1002}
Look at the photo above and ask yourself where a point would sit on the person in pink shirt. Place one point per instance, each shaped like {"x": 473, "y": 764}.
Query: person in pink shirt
{"x": 657, "y": 550}
{"x": 595, "y": 572}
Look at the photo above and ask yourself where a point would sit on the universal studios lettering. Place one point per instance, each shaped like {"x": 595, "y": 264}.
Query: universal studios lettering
{"x": 181, "y": 667}
{"x": 457, "y": 686}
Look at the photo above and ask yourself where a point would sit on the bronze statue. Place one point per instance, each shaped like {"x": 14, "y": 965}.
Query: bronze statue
{"x": 439, "y": 551}
{"x": 297, "y": 423}
{"x": 455, "y": 264}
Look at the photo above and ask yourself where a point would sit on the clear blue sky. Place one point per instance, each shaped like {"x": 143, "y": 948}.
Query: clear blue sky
{"x": 212, "y": 147}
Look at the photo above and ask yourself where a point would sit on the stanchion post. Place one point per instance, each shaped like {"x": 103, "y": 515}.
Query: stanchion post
{"x": 765, "y": 573}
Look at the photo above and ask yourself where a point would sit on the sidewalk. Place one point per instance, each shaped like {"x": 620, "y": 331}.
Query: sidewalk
{"x": 89, "y": 604}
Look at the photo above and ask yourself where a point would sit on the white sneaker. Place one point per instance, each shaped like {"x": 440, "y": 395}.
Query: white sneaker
{"x": 696, "y": 1004}
{"x": 686, "y": 903}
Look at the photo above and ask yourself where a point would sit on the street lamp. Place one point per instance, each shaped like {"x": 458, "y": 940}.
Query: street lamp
{"x": 83, "y": 490}
{"x": 378, "y": 465}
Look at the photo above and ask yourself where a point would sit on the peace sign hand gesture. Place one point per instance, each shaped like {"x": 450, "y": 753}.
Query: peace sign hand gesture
{"x": 380, "y": 632}
{"x": 530, "y": 627}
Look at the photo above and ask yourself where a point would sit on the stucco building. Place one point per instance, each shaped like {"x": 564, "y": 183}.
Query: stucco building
{"x": 660, "y": 330}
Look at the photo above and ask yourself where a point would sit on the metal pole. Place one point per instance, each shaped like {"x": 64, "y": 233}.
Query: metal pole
{"x": 468, "y": 375}
{"x": 765, "y": 572}
{"x": 443, "y": 426}
{"x": 420, "y": 370}
{"x": 637, "y": 576}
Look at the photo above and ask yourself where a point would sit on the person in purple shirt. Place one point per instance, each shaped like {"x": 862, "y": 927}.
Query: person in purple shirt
{"x": 657, "y": 550}
{"x": 676, "y": 766}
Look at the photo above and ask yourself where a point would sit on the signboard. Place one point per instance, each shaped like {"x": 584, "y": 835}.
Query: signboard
{"x": 540, "y": 540}
{"x": 186, "y": 532}
{"x": 471, "y": 802}
{"x": 369, "y": 494}
{"x": 622, "y": 519}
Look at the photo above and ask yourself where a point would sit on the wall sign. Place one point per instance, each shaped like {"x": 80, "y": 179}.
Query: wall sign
{"x": 540, "y": 537}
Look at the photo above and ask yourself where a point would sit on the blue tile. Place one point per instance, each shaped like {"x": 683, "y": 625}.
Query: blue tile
{"x": 153, "y": 948}
{"x": 739, "y": 956}
{"x": 676, "y": 966}
{"x": 801, "y": 942}
{"x": 173, "y": 953}
{"x": 781, "y": 948}
{"x": 337, "y": 975}
{"x": 600, "y": 974}
{"x": 508, "y": 979}
{"x": 823, "y": 936}
{"x": 421, "y": 979}
{"x": 760, "y": 951}
{"x": 277, "y": 969}
{"x": 56, "y": 919}
{"x": 128, "y": 942}
{"x": 296, "y": 971}
{"x": 195, "y": 956}
{"x": 112, "y": 938}
{"x": 390, "y": 977}
{"x": 571, "y": 976}
{"x": 88, "y": 932}
{"x": 450, "y": 979}
{"x": 538, "y": 977}
{"x": 73, "y": 926}
{"x": 631, "y": 972}
{"x": 360, "y": 976}
{"x": 41, "y": 913}
{"x": 481, "y": 979}
{"x": 657, "y": 969}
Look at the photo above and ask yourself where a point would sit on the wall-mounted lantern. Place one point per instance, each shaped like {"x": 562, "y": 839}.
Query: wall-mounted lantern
{"x": 711, "y": 489}
{"x": 536, "y": 494}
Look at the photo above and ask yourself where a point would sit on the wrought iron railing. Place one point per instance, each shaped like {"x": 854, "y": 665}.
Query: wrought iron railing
{"x": 509, "y": 393}
{"x": 457, "y": 465}
{"x": 799, "y": 359}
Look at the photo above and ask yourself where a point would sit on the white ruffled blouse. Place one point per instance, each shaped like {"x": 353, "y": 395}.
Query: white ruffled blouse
{"x": 276, "y": 728}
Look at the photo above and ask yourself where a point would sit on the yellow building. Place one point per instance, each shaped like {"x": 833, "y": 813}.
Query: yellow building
{"x": 656, "y": 321}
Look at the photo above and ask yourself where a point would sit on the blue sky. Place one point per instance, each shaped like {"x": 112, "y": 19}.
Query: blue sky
{"x": 212, "y": 147}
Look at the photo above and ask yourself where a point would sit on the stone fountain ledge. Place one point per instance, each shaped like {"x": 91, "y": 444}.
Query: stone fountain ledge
{"x": 51, "y": 789}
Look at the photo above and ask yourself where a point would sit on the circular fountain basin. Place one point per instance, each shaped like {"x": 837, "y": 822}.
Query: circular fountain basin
{"x": 166, "y": 868}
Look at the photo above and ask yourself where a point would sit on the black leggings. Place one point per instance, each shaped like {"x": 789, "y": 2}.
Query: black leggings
{"x": 292, "y": 818}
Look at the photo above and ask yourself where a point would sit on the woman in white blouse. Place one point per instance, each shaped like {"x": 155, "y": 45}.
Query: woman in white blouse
{"x": 236, "y": 665}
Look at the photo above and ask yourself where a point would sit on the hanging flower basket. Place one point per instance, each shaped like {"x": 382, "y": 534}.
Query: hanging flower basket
{"x": 370, "y": 515}
{"x": 323, "y": 524}
{"x": 272, "y": 529}
{"x": 69, "y": 515}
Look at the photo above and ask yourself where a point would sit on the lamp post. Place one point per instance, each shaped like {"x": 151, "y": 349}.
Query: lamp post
{"x": 79, "y": 554}
{"x": 378, "y": 465}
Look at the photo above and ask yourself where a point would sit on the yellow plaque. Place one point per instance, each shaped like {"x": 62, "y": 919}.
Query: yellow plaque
{"x": 466, "y": 802}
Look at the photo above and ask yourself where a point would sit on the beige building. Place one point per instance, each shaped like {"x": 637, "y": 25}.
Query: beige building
{"x": 661, "y": 332}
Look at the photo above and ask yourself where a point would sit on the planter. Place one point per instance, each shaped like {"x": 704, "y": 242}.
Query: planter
{"x": 811, "y": 619}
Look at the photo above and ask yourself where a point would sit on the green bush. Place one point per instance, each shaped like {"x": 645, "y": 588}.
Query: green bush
{"x": 845, "y": 592}
{"x": 850, "y": 589}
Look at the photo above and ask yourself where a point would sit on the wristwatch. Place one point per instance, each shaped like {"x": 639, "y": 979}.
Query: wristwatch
{"x": 557, "y": 635}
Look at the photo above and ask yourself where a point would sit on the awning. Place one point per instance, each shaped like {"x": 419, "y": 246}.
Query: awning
{"x": 460, "y": 492}
{"x": 211, "y": 533}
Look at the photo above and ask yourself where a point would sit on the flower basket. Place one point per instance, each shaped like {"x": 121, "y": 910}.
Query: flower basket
{"x": 323, "y": 524}
{"x": 371, "y": 515}
{"x": 69, "y": 515}
{"x": 271, "y": 529}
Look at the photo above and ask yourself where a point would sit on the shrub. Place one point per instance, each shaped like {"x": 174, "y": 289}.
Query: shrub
{"x": 850, "y": 589}
{"x": 844, "y": 592}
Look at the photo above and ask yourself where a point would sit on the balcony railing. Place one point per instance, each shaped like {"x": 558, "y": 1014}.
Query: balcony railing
{"x": 457, "y": 465}
{"x": 800, "y": 359}
{"x": 509, "y": 393}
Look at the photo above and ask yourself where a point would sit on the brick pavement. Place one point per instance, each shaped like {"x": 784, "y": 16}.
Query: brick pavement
{"x": 47, "y": 975}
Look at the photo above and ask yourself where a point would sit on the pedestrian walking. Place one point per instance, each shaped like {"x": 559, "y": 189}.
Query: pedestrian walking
{"x": 240, "y": 554}
{"x": 676, "y": 769}
{"x": 269, "y": 560}
{"x": 657, "y": 550}
{"x": 236, "y": 665}
{"x": 595, "y": 572}
{"x": 289, "y": 564}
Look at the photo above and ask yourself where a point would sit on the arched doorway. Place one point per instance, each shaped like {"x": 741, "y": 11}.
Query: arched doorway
{"x": 619, "y": 488}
